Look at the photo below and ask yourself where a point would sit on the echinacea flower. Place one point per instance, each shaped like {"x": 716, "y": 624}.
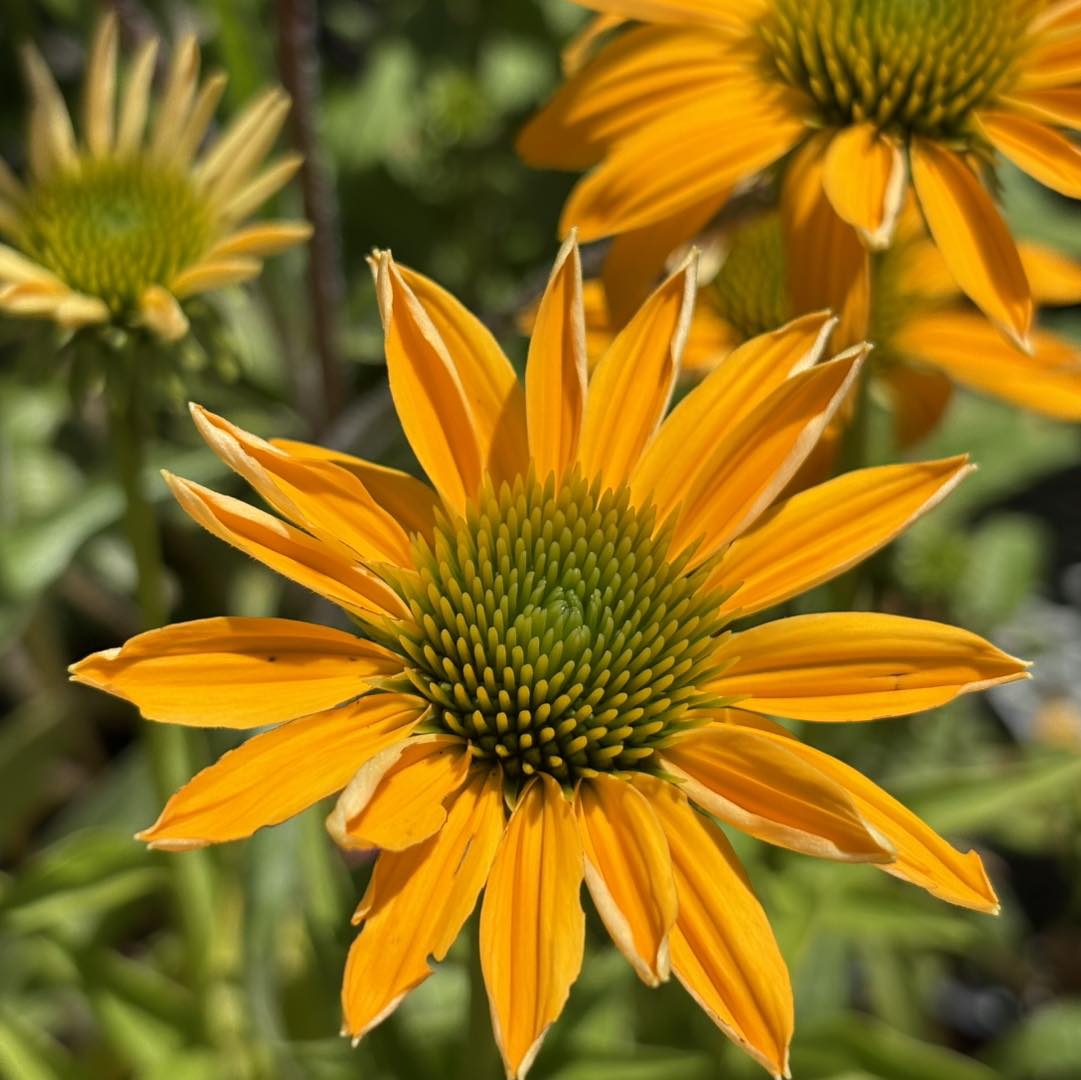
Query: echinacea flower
{"x": 542, "y": 687}
{"x": 128, "y": 221}
{"x": 870, "y": 95}
{"x": 927, "y": 337}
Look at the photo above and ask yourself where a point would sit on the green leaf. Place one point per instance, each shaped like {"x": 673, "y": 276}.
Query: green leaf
{"x": 1046, "y": 1045}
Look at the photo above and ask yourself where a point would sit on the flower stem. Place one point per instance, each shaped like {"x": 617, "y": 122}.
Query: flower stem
{"x": 480, "y": 1058}
{"x": 168, "y": 747}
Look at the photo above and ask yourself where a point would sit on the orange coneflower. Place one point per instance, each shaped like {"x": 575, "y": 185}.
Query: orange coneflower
{"x": 869, "y": 94}
{"x": 128, "y": 222}
{"x": 544, "y": 630}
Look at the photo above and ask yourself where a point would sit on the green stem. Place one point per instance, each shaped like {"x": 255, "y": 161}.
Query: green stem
{"x": 480, "y": 1058}
{"x": 168, "y": 747}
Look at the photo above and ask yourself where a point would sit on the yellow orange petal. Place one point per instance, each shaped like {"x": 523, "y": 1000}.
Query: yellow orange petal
{"x": 210, "y": 274}
{"x": 161, "y": 313}
{"x": 186, "y": 141}
{"x": 277, "y": 774}
{"x": 1055, "y": 62}
{"x": 397, "y": 798}
{"x": 857, "y": 666}
{"x": 410, "y": 500}
{"x": 726, "y": 396}
{"x": 99, "y": 96}
{"x": 723, "y": 950}
{"x": 577, "y": 51}
{"x": 864, "y": 176}
{"x": 488, "y": 380}
{"x": 967, "y": 349}
{"x": 923, "y": 857}
{"x": 972, "y": 237}
{"x": 556, "y": 368}
{"x": 256, "y": 191}
{"x": 628, "y": 871}
{"x": 919, "y": 398}
{"x": 263, "y": 238}
{"x": 636, "y": 259}
{"x": 823, "y": 531}
{"x": 52, "y": 138}
{"x": 427, "y": 391}
{"x": 760, "y": 787}
{"x": 180, "y": 84}
{"x": 418, "y": 900}
{"x": 532, "y": 928}
{"x": 1055, "y": 278}
{"x": 287, "y": 550}
{"x": 322, "y": 498}
{"x": 751, "y": 463}
{"x": 236, "y": 673}
{"x": 640, "y": 77}
{"x": 1059, "y": 105}
{"x": 136, "y": 98}
{"x": 632, "y": 384}
{"x": 828, "y": 267}
{"x": 1036, "y": 149}
{"x": 678, "y": 161}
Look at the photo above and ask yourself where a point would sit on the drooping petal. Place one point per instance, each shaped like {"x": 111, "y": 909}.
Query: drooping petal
{"x": 1036, "y": 149}
{"x": 628, "y": 871}
{"x": 236, "y": 673}
{"x": 865, "y": 178}
{"x": 287, "y": 550}
{"x": 161, "y": 313}
{"x": 972, "y": 236}
{"x": 427, "y": 391}
{"x": 632, "y": 384}
{"x": 823, "y": 531}
{"x": 532, "y": 928}
{"x": 640, "y": 77}
{"x": 397, "y": 798}
{"x": 919, "y": 398}
{"x": 636, "y": 259}
{"x": 322, "y": 498}
{"x": 410, "y": 500}
{"x": 828, "y": 267}
{"x": 763, "y": 789}
{"x": 277, "y": 774}
{"x": 488, "y": 380}
{"x": 922, "y": 856}
{"x": 1055, "y": 278}
{"x": 750, "y": 466}
{"x": 716, "y": 406}
{"x": 857, "y": 666}
{"x": 556, "y": 368}
{"x": 967, "y": 349}
{"x": 417, "y": 901}
{"x": 723, "y": 950}
{"x": 683, "y": 158}
{"x": 99, "y": 95}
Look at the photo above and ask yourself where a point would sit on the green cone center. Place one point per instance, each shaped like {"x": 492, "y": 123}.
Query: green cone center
{"x": 111, "y": 227}
{"x": 906, "y": 65}
{"x": 550, "y": 630}
{"x": 750, "y": 291}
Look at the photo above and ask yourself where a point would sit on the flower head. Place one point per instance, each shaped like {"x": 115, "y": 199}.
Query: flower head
{"x": 128, "y": 221}
{"x": 872, "y": 95}
{"x": 547, "y": 630}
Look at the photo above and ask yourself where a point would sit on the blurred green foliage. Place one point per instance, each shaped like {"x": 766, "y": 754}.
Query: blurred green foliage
{"x": 420, "y": 102}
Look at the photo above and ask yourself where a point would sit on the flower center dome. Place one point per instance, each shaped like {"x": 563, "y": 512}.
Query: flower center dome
{"x": 110, "y": 227}
{"x": 750, "y": 291}
{"x": 550, "y": 630}
{"x": 905, "y": 65}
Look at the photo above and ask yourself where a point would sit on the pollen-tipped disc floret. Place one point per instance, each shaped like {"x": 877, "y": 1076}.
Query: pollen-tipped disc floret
{"x": 111, "y": 227}
{"x": 905, "y": 65}
{"x": 551, "y": 631}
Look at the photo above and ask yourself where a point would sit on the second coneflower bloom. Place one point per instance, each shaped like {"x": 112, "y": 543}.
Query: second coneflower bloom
{"x": 541, "y": 688}
{"x": 127, "y": 220}
{"x": 871, "y": 94}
